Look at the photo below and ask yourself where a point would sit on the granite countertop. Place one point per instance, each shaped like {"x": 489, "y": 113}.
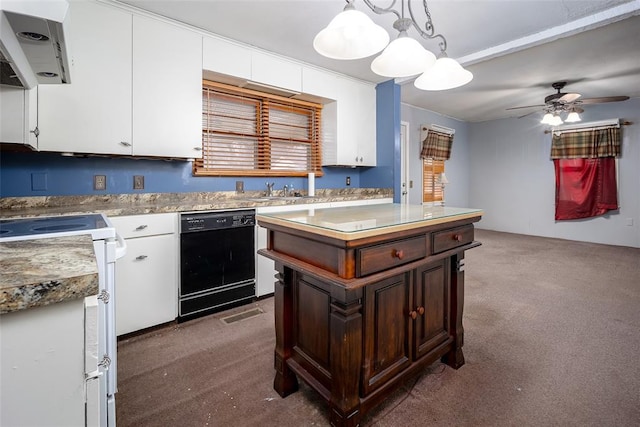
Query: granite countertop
{"x": 40, "y": 272}
{"x": 355, "y": 222}
{"x": 146, "y": 203}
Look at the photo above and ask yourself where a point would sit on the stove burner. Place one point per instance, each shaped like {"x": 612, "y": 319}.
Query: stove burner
{"x": 59, "y": 227}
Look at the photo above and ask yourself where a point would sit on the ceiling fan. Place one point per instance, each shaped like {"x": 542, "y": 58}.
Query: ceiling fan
{"x": 560, "y": 102}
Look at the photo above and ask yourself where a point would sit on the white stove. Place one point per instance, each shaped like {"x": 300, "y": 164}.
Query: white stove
{"x": 108, "y": 246}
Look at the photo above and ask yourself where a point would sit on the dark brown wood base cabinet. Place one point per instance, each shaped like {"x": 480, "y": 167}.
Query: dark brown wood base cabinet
{"x": 355, "y": 339}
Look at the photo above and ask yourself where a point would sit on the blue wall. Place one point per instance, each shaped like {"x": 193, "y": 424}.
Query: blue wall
{"x": 388, "y": 158}
{"x": 50, "y": 174}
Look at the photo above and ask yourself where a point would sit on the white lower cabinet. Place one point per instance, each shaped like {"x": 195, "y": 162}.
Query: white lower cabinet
{"x": 265, "y": 269}
{"x": 146, "y": 278}
{"x": 42, "y": 366}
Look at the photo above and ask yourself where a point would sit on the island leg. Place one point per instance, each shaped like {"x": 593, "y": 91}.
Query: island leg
{"x": 346, "y": 360}
{"x": 285, "y": 381}
{"x": 455, "y": 357}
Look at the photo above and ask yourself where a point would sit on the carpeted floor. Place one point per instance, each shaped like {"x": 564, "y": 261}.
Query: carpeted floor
{"x": 552, "y": 338}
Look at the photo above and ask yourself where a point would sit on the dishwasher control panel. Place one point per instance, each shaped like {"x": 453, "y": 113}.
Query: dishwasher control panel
{"x": 203, "y": 221}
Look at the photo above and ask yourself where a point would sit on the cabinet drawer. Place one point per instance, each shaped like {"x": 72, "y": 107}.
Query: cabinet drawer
{"x": 388, "y": 255}
{"x": 453, "y": 238}
{"x": 145, "y": 225}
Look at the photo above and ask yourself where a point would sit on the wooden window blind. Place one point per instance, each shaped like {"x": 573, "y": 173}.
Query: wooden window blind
{"x": 250, "y": 133}
{"x": 432, "y": 189}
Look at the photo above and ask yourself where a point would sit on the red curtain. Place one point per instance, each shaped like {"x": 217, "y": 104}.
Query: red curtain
{"x": 585, "y": 187}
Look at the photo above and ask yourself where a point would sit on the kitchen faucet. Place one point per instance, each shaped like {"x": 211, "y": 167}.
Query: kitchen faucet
{"x": 270, "y": 189}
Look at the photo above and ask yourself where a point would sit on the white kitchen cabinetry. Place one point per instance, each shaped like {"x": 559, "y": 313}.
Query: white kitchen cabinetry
{"x": 146, "y": 277}
{"x": 265, "y": 268}
{"x": 226, "y": 58}
{"x": 355, "y": 125}
{"x": 19, "y": 117}
{"x": 136, "y": 90}
{"x": 92, "y": 114}
{"x": 167, "y": 90}
{"x": 273, "y": 71}
{"x": 43, "y": 366}
{"x": 319, "y": 83}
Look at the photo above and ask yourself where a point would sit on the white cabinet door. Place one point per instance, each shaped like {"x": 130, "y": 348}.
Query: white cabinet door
{"x": 319, "y": 83}
{"x": 146, "y": 277}
{"x": 226, "y": 58}
{"x": 93, "y": 113}
{"x": 167, "y": 90}
{"x": 276, "y": 72}
{"x": 146, "y": 293}
{"x": 354, "y": 143}
{"x": 19, "y": 115}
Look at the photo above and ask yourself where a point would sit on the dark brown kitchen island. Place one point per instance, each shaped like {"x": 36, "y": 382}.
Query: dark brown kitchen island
{"x": 365, "y": 298}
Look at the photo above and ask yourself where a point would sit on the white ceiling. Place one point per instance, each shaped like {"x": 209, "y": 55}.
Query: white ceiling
{"x": 515, "y": 48}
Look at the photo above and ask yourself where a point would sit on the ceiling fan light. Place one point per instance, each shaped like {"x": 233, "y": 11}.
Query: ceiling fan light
{"x": 445, "y": 74}
{"x": 350, "y": 35}
{"x": 547, "y": 119}
{"x": 556, "y": 120}
{"x": 403, "y": 57}
{"x": 573, "y": 117}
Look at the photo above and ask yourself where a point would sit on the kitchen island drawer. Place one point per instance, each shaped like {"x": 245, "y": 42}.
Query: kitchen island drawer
{"x": 145, "y": 225}
{"x": 452, "y": 238}
{"x": 372, "y": 259}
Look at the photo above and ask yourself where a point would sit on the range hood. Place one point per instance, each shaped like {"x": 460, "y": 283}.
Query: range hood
{"x": 33, "y": 43}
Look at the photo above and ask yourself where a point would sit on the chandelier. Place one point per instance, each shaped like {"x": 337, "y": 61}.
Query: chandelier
{"x": 353, "y": 35}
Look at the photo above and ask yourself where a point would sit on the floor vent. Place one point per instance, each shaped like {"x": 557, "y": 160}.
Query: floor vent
{"x": 242, "y": 316}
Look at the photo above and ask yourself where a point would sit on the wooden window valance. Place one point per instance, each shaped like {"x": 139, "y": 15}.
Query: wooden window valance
{"x": 435, "y": 144}
{"x": 586, "y": 143}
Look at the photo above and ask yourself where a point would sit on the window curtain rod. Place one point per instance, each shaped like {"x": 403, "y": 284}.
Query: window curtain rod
{"x": 590, "y": 126}
{"x": 441, "y": 129}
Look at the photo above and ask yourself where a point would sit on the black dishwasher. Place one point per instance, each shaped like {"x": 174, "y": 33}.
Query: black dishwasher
{"x": 217, "y": 261}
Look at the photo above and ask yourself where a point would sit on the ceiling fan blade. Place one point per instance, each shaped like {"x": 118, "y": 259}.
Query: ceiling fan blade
{"x": 528, "y": 114}
{"x": 569, "y": 97}
{"x": 604, "y": 99}
{"x": 526, "y": 106}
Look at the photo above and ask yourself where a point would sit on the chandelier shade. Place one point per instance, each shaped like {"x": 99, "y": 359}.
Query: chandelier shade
{"x": 353, "y": 35}
{"x": 403, "y": 57}
{"x": 350, "y": 35}
{"x": 445, "y": 74}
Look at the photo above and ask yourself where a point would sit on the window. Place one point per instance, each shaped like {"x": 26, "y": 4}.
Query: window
{"x": 436, "y": 148}
{"x": 432, "y": 185}
{"x": 249, "y": 133}
{"x": 585, "y": 169}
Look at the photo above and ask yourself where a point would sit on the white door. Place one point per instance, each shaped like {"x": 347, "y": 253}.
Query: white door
{"x": 404, "y": 144}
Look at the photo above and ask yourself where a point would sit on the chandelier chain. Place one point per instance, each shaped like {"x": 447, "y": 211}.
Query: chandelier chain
{"x": 429, "y": 30}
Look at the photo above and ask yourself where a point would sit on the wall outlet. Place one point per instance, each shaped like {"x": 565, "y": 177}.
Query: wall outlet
{"x": 99, "y": 182}
{"x": 239, "y": 186}
{"x": 138, "y": 182}
{"x": 630, "y": 222}
{"x": 348, "y": 180}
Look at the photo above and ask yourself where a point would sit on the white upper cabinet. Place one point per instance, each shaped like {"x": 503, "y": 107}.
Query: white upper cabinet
{"x": 226, "y": 58}
{"x": 167, "y": 90}
{"x": 18, "y": 121}
{"x": 319, "y": 83}
{"x": 136, "y": 90}
{"x": 349, "y": 125}
{"x": 92, "y": 114}
{"x": 277, "y": 72}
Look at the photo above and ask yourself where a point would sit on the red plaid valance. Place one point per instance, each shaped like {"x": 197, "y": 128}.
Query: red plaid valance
{"x": 436, "y": 145}
{"x": 586, "y": 144}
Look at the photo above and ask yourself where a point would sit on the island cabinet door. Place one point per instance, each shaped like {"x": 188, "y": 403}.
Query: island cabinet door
{"x": 387, "y": 330}
{"x": 431, "y": 300}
